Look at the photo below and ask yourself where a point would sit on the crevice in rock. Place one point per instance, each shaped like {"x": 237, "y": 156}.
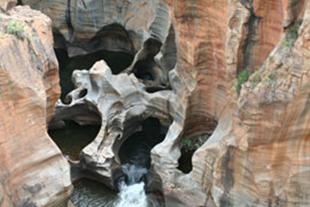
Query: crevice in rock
{"x": 69, "y": 20}
{"x": 188, "y": 146}
{"x": 145, "y": 68}
{"x": 251, "y": 39}
{"x": 169, "y": 51}
{"x": 134, "y": 157}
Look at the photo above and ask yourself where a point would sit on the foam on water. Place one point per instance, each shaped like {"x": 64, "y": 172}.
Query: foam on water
{"x": 132, "y": 196}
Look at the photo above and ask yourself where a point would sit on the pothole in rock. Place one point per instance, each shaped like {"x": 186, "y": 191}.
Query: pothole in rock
{"x": 73, "y": 138}
{"x": 189, "y": 144}
{"x": 117, "y": 61}
{"x": 137, "y": 147}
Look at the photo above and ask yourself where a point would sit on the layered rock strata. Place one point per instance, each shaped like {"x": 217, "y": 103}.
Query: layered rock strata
{"x": 33, "y": 171}
{"x": 139, "y": 28}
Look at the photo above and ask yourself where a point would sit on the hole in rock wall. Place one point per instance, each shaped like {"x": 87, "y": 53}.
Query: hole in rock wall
{"x": 73, "y": 138}
{"x": 188, "y": 146}
{"x": 113, "y": 37}
{"x": 145, "y": 67}
{"x": 117, "y": 61}
{"x": 136, "y": 148}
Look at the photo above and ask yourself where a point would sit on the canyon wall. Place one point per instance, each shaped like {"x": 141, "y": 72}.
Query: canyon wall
{"x": 33, "y": 171}
{"x": 258, "y": 153}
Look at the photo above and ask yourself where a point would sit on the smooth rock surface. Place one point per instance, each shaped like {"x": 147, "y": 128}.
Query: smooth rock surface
{"x": 33, "y": 171}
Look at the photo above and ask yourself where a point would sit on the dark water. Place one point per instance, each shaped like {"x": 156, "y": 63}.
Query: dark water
{"x": 88, "y": 193}
{"x": 73, "y": 138}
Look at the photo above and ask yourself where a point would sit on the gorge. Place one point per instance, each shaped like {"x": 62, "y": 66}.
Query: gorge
{"x": 155, "y": 103}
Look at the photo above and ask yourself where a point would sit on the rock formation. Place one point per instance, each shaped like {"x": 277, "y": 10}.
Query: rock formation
{"x": 258, "y": 154}
{"x": 33, "y": 171}
{"x": 7, "y": 4}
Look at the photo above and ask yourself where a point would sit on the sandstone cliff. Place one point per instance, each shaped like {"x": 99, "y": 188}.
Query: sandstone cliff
{"x": 33, "y": 171}
{"x": 258, "y": 153}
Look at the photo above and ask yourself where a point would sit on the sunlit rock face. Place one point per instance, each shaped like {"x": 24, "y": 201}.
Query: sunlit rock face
{"x": 140, "y": 28}
{"x": 86, "y": 26}
{"x": 257, "y": 156}
{"x": 33, "y": 171}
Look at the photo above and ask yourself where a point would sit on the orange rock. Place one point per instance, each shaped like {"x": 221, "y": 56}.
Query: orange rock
{"x": 33, "y": 170}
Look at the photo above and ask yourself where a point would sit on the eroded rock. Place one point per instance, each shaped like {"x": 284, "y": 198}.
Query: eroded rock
{"x": 7, "y": 4}
{"x": 122, "y": 103}
{"x": 139, "y": 28}
{"x": 33, "y": 171}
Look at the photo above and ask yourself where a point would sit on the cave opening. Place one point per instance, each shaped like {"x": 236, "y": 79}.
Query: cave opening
{"x": 190, "y": 143}
{"x": 143, "y": 69}
{"x": 148, "y": 70}
{"x": 136, "y": 149}
{"x": 188, "y": 147}
{"x": 72, "y": 138}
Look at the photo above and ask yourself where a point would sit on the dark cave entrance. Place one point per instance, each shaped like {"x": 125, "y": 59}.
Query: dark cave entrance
{"x": 73, "y": 138}
{"x": 137, "y": 147}
{"x": 190, "y": 143}
{"x": 144, "y": 69}
{"x": 117, "y": 61}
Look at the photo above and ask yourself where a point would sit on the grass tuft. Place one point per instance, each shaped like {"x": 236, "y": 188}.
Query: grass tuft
{"x": 16, "y": 28}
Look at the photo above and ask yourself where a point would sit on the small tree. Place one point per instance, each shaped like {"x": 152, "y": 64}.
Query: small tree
{"x": 243, "y": 76}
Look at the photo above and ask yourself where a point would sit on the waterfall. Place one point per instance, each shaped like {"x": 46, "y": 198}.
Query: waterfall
{"x": 131, "y": 186}
{"x": 132, "y": 196}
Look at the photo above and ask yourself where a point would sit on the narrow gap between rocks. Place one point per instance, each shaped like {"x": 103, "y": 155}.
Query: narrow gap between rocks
{"x": 135, "y": 158}
{"x": 189, "y": 144}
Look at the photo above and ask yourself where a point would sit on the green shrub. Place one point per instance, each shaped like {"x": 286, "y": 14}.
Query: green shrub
{"x": 291, "y": 34}
{"x": 187, "y": 143}
{"x": 243, "y": 76}
{"x": 16, "y": 28}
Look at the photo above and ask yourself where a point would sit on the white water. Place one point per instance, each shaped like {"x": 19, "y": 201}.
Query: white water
{"x": 132, "y": 196}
